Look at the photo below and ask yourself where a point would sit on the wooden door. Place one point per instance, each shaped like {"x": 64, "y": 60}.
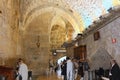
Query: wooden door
{"x": 80, "y": 52}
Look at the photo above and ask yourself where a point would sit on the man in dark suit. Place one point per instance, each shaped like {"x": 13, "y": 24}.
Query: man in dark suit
{"x": 114, "y": 71}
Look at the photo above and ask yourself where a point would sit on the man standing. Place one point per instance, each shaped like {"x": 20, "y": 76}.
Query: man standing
{"x": 114, "y": 71}
{"x": 51, "y": 66}
{"x": 85, "y": 68}
{"x": 76, "y": 66}
{"x": 70, "y": 69}
{"x": 23, "y": 70}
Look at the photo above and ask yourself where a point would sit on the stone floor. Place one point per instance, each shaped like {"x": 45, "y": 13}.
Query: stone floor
{"x": 50, "y": 77}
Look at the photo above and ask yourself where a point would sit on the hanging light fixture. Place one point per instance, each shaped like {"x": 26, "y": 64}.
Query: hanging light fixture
{"x": 0, "y": 12}
{"x": 38, "y": 41}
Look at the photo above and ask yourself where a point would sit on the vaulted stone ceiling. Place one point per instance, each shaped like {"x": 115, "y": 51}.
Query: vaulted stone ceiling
{"x": 83, "y": 11}
{"x": 78, "y": 13}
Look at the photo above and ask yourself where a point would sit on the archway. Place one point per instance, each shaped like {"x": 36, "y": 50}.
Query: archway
{"x": 100, "y": 59}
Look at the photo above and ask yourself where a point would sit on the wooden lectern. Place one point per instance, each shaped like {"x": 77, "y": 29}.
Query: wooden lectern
{"x": 7, "y": 72}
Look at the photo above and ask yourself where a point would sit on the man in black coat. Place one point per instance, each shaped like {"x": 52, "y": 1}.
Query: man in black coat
{"x": 114, "y": 71}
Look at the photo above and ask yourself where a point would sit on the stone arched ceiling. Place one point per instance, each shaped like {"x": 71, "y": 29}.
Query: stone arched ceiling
{"x": 52, "y": 30}
{"x": 84, "y": 11}
{"x": 60, "y": 34}
{"x": 59, "y": 17}
{"x": 57, "y": 37}
{"x": 78, "y": 13}
{"x": 56, "y": 12}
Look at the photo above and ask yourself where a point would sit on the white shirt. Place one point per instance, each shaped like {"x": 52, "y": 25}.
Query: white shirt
{"x": 110, "y": 70}
{"x": 23, "y": 71}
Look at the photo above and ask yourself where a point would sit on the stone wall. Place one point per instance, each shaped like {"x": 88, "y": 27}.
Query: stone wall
{"x": 102, "y": 50}
{"x": 8, "y": 31}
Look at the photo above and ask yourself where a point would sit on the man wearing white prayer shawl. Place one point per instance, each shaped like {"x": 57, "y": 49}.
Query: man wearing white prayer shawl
{"x": 23, "y": 70}
{"x": 70, "y": 69}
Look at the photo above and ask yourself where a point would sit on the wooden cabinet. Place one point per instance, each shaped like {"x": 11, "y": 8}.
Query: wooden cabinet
{"x": 7, "y": 72}
{"x": 80, "y": 52}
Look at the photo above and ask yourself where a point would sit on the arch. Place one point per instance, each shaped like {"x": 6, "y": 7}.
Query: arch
{"x": 56, "y": 10}
{"x": 100, "y": 59}
{"x": 56, "y": 35}
{"x": 61, "y": 59}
